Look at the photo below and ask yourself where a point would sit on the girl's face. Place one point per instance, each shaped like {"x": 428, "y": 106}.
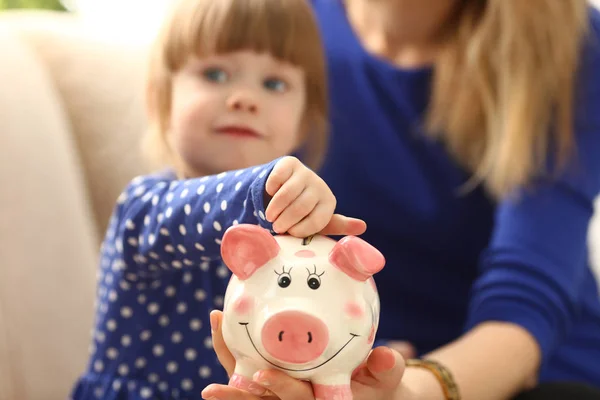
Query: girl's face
{"x": 235, "y": 110}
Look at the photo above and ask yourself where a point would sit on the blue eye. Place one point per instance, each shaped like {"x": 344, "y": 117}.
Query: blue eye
{"x": 215, "y": 75}
{"x": 274, "y": 84}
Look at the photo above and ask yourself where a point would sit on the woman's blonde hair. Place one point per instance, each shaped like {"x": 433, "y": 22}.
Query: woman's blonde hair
{"x": 504, "y": 87}
{"x": 286, "y": 29}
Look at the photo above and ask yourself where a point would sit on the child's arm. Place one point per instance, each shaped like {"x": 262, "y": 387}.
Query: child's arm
{"x": 161, "y": 224}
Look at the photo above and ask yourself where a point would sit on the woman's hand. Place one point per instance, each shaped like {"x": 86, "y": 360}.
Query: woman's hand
{"x": 377, "y": 378}
{"x": 406, "y": 349}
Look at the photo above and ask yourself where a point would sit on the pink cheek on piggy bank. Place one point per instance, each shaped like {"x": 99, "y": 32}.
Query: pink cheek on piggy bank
{"x": 371, "y": 337}
{"x": 243, "y": 305}
{"x": 354, "y": 310}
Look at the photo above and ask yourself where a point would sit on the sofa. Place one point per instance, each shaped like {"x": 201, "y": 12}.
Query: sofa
{"x": 71, "y": 117}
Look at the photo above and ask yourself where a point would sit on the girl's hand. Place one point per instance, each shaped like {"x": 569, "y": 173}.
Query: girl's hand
{"x": 377, "y": 378}
{"x": 301, "y": 204}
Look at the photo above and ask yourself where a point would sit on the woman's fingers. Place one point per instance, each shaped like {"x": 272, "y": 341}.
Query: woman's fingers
{"x": 384, "y": 369}
{"x": 283, "y": 386}
{"x": 223, "y": 354}
{"x": 224, "y": 392}
{"x": 267, "y": 385}
{"x": 406, "y": 349}
{"x": 381, "y": 373}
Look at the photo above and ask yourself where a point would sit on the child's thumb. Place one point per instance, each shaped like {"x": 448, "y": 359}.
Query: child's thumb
{"x": 344, "y": 226}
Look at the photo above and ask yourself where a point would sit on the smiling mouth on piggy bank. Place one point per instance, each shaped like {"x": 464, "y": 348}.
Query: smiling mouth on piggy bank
{"x": 245, "y": 324}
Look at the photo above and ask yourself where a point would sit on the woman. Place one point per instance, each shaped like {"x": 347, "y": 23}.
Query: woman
{"x": 466, "y": 134}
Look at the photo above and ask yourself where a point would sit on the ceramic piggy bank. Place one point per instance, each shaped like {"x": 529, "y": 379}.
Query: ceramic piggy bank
{"x": 308, "y": 307}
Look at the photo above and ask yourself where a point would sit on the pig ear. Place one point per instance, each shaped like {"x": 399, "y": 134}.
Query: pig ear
{"x": 356, "y": 258}
{"x": 246, "y": 247}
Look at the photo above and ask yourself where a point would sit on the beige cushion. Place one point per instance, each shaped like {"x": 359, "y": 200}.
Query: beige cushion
{"x": 71, "y": 116}
{"x": 47, "y": 239}
{"x": 101, "y": 85}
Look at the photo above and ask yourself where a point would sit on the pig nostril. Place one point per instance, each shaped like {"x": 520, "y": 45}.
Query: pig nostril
{"x": 280, "y": 337}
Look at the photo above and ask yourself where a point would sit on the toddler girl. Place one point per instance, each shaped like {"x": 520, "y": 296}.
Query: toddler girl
{"x": 234, "y": 87}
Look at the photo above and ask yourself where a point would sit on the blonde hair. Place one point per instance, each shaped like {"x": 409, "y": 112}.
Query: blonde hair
{"x": 286, "y": 29}
{"x": 503, "y": 87}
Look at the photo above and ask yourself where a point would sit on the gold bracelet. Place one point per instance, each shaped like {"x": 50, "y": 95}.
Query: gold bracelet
{"x": 441, "y": 373}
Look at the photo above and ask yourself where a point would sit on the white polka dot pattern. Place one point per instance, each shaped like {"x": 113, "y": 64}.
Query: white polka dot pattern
{"x": 160, "y": 276}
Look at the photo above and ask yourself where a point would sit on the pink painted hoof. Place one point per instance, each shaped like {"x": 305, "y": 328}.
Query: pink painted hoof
{"x": 332, "y": 392}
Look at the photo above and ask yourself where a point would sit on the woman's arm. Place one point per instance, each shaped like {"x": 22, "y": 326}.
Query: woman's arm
{"x": 526, "y": 297}
{"x": 159, "y": 223}
{"x": 493, "y": 361}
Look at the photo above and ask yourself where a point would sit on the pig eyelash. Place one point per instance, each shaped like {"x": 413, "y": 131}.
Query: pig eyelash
{"x": 315, "y": 272}
{"x": 284, "y": 271}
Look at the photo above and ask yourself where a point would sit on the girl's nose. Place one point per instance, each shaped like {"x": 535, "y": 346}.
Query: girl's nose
{"x": 242, "y": 102}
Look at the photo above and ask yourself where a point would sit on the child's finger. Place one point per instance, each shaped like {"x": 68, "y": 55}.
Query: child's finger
{"x": 223, "y": 354}
{"x": 314, "y": 222}
{"x": 281, "y": 173}
{"x": 303, "y": 206}
{"x": 285, "y": 196}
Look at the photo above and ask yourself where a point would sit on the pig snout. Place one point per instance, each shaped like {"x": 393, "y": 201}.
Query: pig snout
{"x": 294, "y": 337}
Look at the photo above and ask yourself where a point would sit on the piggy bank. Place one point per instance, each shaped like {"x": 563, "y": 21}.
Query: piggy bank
{"x": 308, "y": 307}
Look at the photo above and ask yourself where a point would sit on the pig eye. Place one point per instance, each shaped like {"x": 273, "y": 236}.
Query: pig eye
{"x": 314, "y": 282}
{"x": 314, "y": 279}
{"x": 285, "y": 279}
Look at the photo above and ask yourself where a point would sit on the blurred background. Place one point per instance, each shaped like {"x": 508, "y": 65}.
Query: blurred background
{"x": 47, "y": 4}
{"x": 72, "y": 74}
{"x": 119, "y": 15}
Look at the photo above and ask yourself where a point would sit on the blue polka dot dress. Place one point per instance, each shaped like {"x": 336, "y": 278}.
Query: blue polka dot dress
{"x": 160, "y": 276}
